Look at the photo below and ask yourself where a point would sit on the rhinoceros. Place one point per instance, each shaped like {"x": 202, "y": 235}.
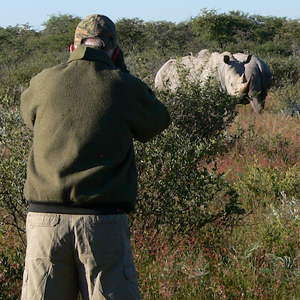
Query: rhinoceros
{"x": 260, "y": 77}
{"x": 228, "y": 71}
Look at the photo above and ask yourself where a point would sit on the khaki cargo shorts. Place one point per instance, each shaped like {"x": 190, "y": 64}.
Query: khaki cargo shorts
{"x": 71, "y": 253}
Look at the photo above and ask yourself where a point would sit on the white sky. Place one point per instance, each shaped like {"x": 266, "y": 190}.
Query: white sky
{"x": 35, "y": 12}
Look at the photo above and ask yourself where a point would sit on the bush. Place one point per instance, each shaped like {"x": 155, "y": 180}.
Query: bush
{"x": 264, "y": 185}
{"x": 283, "y": 68}
{"x": 286, "y": 99}
{"x": 11, "y": 271}
{"x": 175, "y": 190}
{"x": 14, "y": 143}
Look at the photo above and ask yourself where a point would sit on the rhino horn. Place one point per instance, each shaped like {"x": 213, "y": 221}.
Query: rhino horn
{"x": 245, "y": 86}
{"x": 242, "y": 79}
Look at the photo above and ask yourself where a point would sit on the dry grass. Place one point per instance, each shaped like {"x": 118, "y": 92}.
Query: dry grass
{"x": 268, "y": 139}
{"x": 256, "y": 259}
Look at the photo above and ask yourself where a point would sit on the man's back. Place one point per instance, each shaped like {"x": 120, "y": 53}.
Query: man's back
{"x": 85, "y": 114}
{"x": 81, "y": 174}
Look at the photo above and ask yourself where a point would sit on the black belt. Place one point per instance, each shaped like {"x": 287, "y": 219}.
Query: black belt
{"x": 75, "y": 208}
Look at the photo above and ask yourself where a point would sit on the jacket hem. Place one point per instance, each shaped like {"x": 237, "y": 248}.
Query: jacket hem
{"x": 75, "y": 208}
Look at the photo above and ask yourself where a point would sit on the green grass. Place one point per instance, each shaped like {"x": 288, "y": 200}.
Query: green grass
{"x": 258, "y": 256}
{"x": 215, "y": 220}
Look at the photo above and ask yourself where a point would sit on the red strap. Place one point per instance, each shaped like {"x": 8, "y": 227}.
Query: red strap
{"x": 72, "y": 48}
{"x": 115, "y": 54}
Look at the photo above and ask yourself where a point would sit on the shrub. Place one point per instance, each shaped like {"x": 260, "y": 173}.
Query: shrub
{"x": 175, "y": 191}
{"x": 11, "y": 271}
{"x": 264, "y": 185}
{"x": 14, "y": 141}
{"x": 283, "y": 68}
{"x": 286, "y": 99}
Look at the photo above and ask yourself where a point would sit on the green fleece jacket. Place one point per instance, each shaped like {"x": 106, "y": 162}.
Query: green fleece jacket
{"x": 84, "y": 114}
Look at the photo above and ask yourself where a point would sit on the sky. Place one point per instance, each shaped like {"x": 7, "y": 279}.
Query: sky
{"x": 36, "y": 12}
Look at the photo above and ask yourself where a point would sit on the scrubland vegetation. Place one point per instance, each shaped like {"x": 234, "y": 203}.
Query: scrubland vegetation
{"x": 219, "y": 191}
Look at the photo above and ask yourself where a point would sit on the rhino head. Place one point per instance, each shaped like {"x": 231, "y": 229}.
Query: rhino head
{"x": 232, "y": 75}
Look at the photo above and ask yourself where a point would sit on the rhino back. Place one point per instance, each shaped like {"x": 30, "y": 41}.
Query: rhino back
{"x": 165, "y": 74}
{"x": 169, "y": 74}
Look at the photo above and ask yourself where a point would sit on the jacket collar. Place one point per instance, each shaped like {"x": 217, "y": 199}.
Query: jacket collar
{"x": 88, "y": 53}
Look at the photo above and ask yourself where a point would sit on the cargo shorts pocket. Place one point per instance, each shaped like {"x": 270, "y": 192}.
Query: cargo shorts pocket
{"x": 41, "y": 231}
{"x": 132, "y": 283}
{"x": 101, "y": 233}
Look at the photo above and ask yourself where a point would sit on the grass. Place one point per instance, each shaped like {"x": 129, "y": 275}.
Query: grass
{"x": 255, "y": 258}
{"x": 247, "y": 264}
{"x": 259, "y": 257}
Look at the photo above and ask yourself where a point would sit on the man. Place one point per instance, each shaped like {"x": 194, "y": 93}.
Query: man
{"x": 81, "y": 175}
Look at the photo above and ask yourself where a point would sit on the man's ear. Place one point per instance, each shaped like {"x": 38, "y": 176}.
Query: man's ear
{"x": 72, "y": 48}
{"x": 115, "y": 53}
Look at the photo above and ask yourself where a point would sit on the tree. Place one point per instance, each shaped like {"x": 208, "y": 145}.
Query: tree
{"x": 15, "y": 42}
{"x": 221, "y": 28}
{"x": 59, "y": 31}
{"x": 290, "y": 32}
{"x": 131, "y": 33}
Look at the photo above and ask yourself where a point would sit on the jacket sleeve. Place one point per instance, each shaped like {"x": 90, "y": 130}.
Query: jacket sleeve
{"x": 150, "y": 116}
{"x": 28, "y": 106}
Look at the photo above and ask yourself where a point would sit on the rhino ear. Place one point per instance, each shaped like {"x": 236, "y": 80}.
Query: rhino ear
{"x": 248, "y": 59}
{"x": 226, "y": 59}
